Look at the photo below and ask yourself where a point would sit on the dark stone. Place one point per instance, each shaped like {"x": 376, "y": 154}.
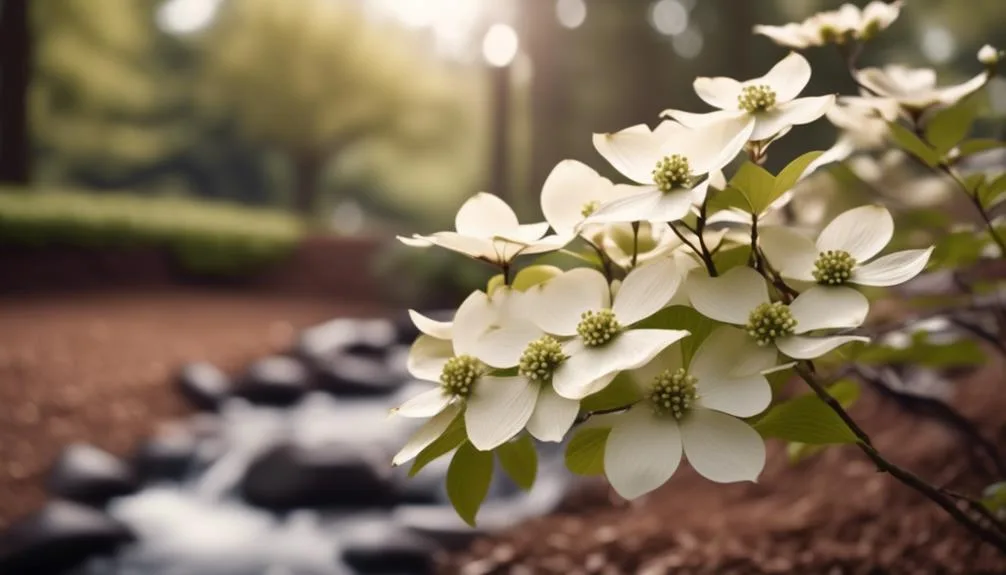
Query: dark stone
{"x": 323, "y": 340}
{"x": 168, "y": 456}
{"x": 203, "y": 385}
{"x": 352, "y": 375}
{"x": 378, "y": 545}
{"x": 277, "y": 381}
{"x": 326, "y": 476}
{"x": 59, "y": 537}
{"x": 86, "y": 474}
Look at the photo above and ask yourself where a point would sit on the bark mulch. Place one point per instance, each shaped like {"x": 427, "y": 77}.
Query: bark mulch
{"x": 832, "y": 514}
{"x": 99, "y": 367}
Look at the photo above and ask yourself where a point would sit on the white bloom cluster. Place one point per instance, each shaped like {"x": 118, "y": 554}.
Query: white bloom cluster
{"x": 530, "y": 358}
{"x": 848, "y": 23}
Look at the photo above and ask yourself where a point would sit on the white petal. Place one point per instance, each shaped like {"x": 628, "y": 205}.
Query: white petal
{"x": 740, "y": 396}
{"x": 427, "y": 357}
{"x": 796, "y": 113}
{"x": 802, "y": 347}
{"x": 576, "y": 378}
{"x": 553, "y": 415}
{"x": 787, "y": 78}
{"x": 473, "y": 319}
{"x": 642, "y": 452}
{"x": 862, "y": 232}
{"x": 791, "y": 253}
{"x": 637, "y": 207}
{"x": 953, "y": 94}
{"x": 416, "y": 241}
{"x": 697, "y": 121}
{"x": 479, "y": 248}
{"x": 646, "y": 290}
{"x": 729, "y": 352}
{"x": 484, "y": 215}
{"x": 719, "y": 92}
{"x": 557, "y": 304}
{"x": 502, "y": 347}
{"x": 729, "y": 298}
{"x": 823, "y": 307}
{"x": 426, "y": 404}
{"x": 634, "y": 152}
{"x": 892, "y": 269}
{"x": 718, "y": 143}
{"x": 525, "y": 233}
{"x": 431, "y": 327}
{"x": 792, "y": 35}
{"x": 498, "y": 409}
{"x": 426, "y": 434}
{"x": 721, "y": 447}
{"x": 569, "y": 187}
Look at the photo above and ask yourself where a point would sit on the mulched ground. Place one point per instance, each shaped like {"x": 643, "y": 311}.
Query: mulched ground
{"x": 98, "y": 367}
{"x": 833, "y": 514}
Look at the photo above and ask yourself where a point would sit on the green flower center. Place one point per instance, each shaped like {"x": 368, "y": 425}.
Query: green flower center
{"x": 598, "y": 328}
{"x": 540, "y": 359}
{"x": 673, "y": 393}
{"x": 770, "y": 321}
{"x": 833, "y": 267}
{"x": 756, "y": 98}
{"x": 589, "y": 208}
{"x": 672, "y": 172}
{"x": 460, "y": 374}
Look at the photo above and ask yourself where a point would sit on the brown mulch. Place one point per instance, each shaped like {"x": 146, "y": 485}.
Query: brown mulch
{"x": 98, "y": 367}
{"x": 832, "y": 514}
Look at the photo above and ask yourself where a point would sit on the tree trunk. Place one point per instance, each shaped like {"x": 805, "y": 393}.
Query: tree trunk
{"x": 15, "y": 69}
{"x": 308, "y": 167}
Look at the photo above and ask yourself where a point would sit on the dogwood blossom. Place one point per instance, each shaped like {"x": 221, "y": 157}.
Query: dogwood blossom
{"x": 769, "y": 102}
{"x": 915, "y": 89}
{"x": 666, "y": 163}
{"x": 838, "y": 26}
{"x": 693, "y": 409}
{"x": 578, "y": 304}
{"x": 572, "y": 192}
{"x": 842, "y": 251}
{"x": 740, "y": 297}
{"x": 487, "y": 229}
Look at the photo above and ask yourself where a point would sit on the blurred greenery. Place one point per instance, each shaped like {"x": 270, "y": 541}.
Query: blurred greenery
{"x": 203, "y": 236}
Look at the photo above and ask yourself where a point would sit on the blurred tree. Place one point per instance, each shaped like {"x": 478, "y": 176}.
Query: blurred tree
{"x": 15, "y": 64}
{"x": 107, "y": 106}
{"x": 315, "y": 79}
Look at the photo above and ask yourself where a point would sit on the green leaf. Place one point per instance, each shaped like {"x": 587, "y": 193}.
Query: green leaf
{"x": 534, "y": 275}
{"x": 585, "y": 452}
{"x": 494, "y": 283}
{"x": 807, "y": 419}
{"x": 977, "y": 146}
{"x": 520, "y": 461}
{"x": 949, "y": 126}
{"x": 452, "y": 437}
{"x": 682, "y": 317}
{"x": 756, "y": 184}
{"x": 732, "y": 257}
{"x": 922, "y": 352}
{"x": 994, "y": 497}
{"x": 726, "y": 199}
{"x": 912, "y": 144}
{"x": 993, "y": 191}
{"x": 958, "y": 249}
{"x": 468, "y": 478}
{"x": 789, "y": 175}
{"x": 620, "y": 392}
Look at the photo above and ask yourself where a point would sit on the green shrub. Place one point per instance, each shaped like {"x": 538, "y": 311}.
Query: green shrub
{"x": 205, "y": 237}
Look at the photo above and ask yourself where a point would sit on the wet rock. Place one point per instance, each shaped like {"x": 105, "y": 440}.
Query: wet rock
{"x": 203, "y": 385}
{"x": 59, "y": 537}
{"x": 379, "y": 545}
{"x": 167, "y": 456}
{"x": 277, "y": 381}
{"x": 321, "y": 476}
{"x": 86, "y": 474}
{"x": 355, "y": 375}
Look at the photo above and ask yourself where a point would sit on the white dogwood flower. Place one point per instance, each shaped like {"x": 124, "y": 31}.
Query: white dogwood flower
{"x": 494, "y": 408}
{"x": 487, "y": 229}
{"x": 740, "y": 297}
{"x": 915, "y": 88}
{"x": 770, "y": 102}
{"x": 834, "y": 25}
{"x": 843, "y": 250}
{"x": 693, "y": 409}
{"x": 574, "y": 191}
{"x": 578, "y": 304}
{"x": 666, "y": 163}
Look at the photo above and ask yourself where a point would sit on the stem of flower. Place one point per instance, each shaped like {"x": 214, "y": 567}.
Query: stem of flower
{"x": 706, "y": 259}
{"x": 700, "y": 228}
{"x": 992, "y": 532}
{"x": 949, "y": 171}
{"x": 635, "y": 244}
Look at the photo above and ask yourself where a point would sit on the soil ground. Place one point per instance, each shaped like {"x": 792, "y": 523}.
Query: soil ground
{"x": 99, "y": 367}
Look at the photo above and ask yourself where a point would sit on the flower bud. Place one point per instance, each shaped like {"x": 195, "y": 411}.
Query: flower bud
{"x": 989, "y": 55}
